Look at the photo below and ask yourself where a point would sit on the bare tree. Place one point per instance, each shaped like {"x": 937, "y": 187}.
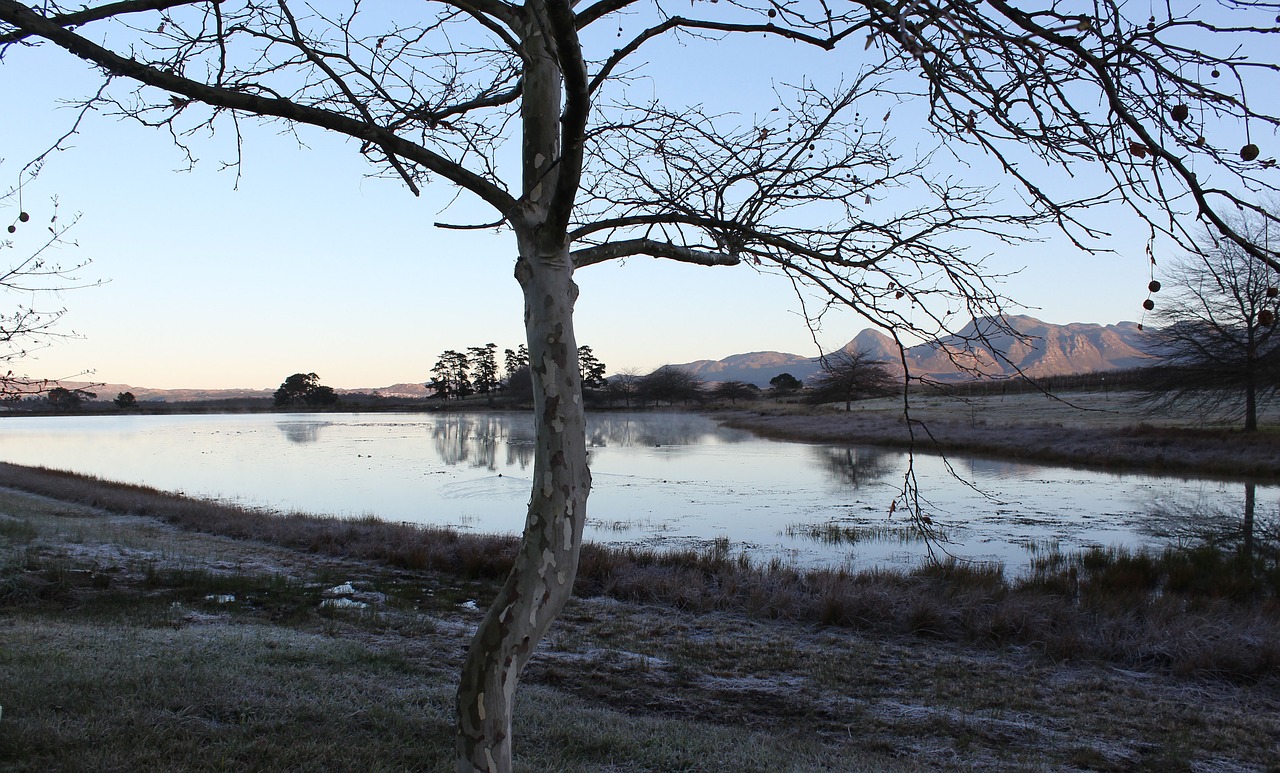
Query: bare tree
{"x": 733, "y": 391}
{"x": 624, "y": 386}
{"x": 671, "y": 384}
{"x": 1217, "y": 340}
{"x": 32, "y": 279}
{"x": 608, "y": 165}
{"x": 847, "y": 376}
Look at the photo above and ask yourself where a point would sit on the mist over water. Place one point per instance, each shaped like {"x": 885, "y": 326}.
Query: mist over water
{"x": 664, "y": 480}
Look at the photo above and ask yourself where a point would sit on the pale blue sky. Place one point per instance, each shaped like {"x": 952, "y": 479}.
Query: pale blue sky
{"x": 310, "y": 266}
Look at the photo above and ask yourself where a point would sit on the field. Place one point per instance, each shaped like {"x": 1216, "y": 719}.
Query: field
{"x": 142, "y": 631}
{"x": 1095, "y": 429}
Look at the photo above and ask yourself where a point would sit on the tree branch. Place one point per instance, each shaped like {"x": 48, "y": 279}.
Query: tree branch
{"x": 589, "y": 256}
{"x": 108, "y": 11}
{"x": 24, "y": 19}
{"x": 573, "y": 120}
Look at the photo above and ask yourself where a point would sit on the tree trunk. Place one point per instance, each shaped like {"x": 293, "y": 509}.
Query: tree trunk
{"x": 542, "y": 579}
{"x": 1250, "y": 405}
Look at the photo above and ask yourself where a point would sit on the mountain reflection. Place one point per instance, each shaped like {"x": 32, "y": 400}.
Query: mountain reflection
{"x": 850, "y": 466}
{"x": 301, "y": 431}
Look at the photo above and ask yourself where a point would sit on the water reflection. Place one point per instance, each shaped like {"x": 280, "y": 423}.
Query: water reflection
{"x": 474, "y": 439}
{"x": 673, "y": 480}
{"x": 657, "y": 430}
{"x": 301, "y": 431}
{"x": 1237, "y": 529}
{"x": 855, "y": 466}
{"x": 996, "y": 469}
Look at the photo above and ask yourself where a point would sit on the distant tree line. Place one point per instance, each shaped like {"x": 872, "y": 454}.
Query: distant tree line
{"x": 1125, "y": 380}
{"x": 844, "y": 377}
{"x": 457, "y": 374}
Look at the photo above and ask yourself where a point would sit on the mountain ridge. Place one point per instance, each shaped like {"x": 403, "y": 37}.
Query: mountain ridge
{"x": 1041, "y": 349}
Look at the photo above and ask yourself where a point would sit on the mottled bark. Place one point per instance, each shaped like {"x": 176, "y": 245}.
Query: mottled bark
{"x": 542, "y": 579}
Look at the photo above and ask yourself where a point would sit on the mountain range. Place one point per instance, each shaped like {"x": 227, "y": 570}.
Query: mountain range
{"x": 1041, "y": 349}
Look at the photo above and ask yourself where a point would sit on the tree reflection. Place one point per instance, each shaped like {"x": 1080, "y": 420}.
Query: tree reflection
{"x": 656, "y": 429}
{"x": 854, "y": 466}
{"x": 301, "y": 431}
{"x": 1256, "y": 540}
{"x": 474, "y": 439}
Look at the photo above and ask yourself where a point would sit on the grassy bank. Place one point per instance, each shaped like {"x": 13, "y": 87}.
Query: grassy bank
{"x": 1100, "y": 430}
{"x": 148, "y": 631}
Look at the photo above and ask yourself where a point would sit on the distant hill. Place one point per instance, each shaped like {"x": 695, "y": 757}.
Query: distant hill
{"x": 752, "y": 367}
{"x": 145, "y": 394}
{"x": 1042, "y": 349}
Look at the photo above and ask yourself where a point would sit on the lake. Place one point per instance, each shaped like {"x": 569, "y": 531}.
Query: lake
{"x": 665, "y": 480}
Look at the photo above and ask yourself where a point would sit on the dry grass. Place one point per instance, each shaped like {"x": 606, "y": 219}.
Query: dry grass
{"x": 1135, "y": 610}
{"x": 1107, "y": 431}
{"x": 121, "y": 655}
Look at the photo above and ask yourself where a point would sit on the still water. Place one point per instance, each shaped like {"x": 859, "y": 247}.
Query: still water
{"x": 660, "y": 480}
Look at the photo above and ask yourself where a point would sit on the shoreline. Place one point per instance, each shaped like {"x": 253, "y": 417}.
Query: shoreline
{"x": 1098, "y": 431}
{"x": 277, "y": 639}
{"x": 1107, "y": 446}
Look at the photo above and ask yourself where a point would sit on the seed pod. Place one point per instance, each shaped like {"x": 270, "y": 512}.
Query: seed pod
{"x": 1216, "y": 73}
{"x": 23, "y": 217}
{"x": 1148, "y": 304}
{"x": 1249, "y": 152}
{"x": 1154, "y": 286}
{"x": 1200, "y": 141}
{"x": 1266, "y": 317}
{"x": 772, "y": 13}
{"x": 13, "y": 228}
{"x": 1273, "y": 292}
{"x": 1180, "y": 113}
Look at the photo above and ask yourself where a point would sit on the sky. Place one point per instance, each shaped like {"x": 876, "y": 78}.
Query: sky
{"x": 305, "y": 263}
